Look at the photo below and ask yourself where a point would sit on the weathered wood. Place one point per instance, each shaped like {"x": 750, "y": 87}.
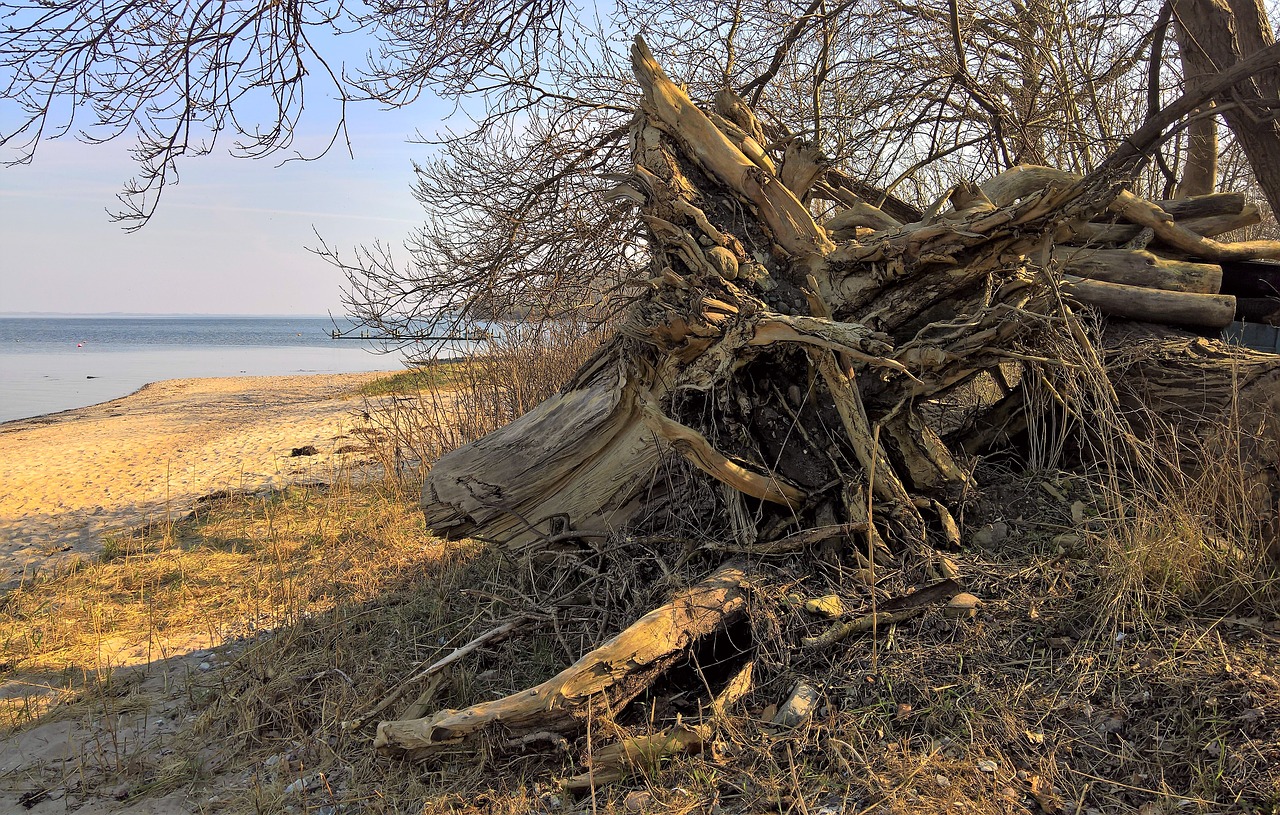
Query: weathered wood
{"x": 790, "y": 371}
{"x": 1135, "y": 267}
{"x": 789, "y": 221}
{"x": 1019, "y": 182}
{"x": 802, "y": 166}
{"x": 1207, "y": 404}
{"x": 1200, "y": 206}
{"x": 1209, "y": 226}
{"x": 844, "y": 224}
{"x": 893, "y": 612}
{"x": 1193, "y": 383}
{"x": 1145, "y": 213}
{"x": 1153, "y": 305}
{"x": 583, "y": 454}
{"x": 698, "y": 451}
{"x": 637, "y": 755}
{"x": 1023, "y": 180}
{"x": 895, "y": 208}
{"x": 604, "y": 679}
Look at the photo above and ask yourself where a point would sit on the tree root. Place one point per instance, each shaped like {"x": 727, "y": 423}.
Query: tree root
{"x": 604, "y": 680}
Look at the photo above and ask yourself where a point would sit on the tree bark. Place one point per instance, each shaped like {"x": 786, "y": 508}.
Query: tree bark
{"x": 1135, "y": 267}
{"x": 1216, "y": 35}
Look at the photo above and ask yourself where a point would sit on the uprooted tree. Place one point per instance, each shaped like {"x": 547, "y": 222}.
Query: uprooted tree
{"x": 797, "y": 342}
{"x": 796, "y": 366}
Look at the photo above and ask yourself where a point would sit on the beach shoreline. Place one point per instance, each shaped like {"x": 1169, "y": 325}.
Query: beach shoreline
{"x": 40, "y": 418}
{"x": 69, "y": 479}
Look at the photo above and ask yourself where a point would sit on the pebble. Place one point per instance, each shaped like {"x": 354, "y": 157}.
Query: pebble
{"x": 986, "y": 765}
{"x": 302, "y": 784}
{"x": 991, "y": 534}
{"x": 828, "y": 606}
{"x": 962, "y": 606}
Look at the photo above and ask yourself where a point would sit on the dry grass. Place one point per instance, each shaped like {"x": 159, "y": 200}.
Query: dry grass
{"x": 252, "y": 564}
{"x": 440, "y": 405}
{"x": 1126, "y": 659}
{"x": 331, "y": 596}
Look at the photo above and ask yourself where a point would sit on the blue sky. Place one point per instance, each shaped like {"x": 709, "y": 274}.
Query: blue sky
{"x": 230, "y": 238}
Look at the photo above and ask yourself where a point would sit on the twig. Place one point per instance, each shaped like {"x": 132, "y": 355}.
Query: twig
{"x": 892, "y": 612}
{"x": 792, "y": 542}
{"x": 439, "y": 665}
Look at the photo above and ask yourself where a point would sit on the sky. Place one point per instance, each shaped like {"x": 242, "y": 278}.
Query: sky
{"x": 231, "y": 238}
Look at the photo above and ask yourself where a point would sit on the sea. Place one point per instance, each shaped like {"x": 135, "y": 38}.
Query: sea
{"x": 50, "y": 364}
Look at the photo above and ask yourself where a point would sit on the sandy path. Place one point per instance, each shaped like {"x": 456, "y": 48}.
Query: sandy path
{"x": 69, "y": 478}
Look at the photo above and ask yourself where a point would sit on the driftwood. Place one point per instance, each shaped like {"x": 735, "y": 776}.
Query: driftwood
{"x": 785, "y": 361}
{"x": 1137, "y": 267}
{"x": 603, "y": 680}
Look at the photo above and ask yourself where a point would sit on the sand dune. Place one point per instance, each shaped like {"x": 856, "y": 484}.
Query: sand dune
{"x": 67, "y": 479}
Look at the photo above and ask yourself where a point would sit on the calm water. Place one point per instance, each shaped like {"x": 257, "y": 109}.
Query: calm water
{"x": 58, "y": 363}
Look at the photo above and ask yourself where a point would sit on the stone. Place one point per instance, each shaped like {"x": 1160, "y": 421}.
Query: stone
{"x": 991, "y": 535}
{"x": 828, "y": 606}
{"x": 962, "y": 606}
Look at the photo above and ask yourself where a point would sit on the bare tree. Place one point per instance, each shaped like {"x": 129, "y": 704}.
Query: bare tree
{"x": 904, "y": 95}
{"x": 177, "y": 78}
{"x": 808, "y": 268}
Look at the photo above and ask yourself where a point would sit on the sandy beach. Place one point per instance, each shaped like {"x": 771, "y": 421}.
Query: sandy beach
{"x": 69, "y": 479}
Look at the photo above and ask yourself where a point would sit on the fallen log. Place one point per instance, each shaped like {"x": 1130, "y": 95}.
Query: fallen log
{"x": 1200, "y": 206}
{"x": 1153, "y": 305}
{"x": 1207, "y": 404}
{"x": 1098, "y": 234}
{"x": 603, "y": 680}
{"x": 1135, "y": 267}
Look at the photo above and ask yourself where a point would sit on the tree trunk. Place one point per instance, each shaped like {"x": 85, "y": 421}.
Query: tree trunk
{"x": 1216, "y": 35}
{"x": 1200, "y": 159}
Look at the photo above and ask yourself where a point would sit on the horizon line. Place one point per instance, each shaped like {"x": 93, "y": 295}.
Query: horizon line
{"x": 163, "y": 314}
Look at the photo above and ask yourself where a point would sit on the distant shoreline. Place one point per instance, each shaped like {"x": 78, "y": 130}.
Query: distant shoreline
{"x": 175, "y": 315}
{"x": 41, "y": 418}
{"x": 54, "y": 364}
{"x": 73, "y": 476}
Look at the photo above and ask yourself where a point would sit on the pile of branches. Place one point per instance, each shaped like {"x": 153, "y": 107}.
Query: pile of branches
{"x": 792, "y": 363}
